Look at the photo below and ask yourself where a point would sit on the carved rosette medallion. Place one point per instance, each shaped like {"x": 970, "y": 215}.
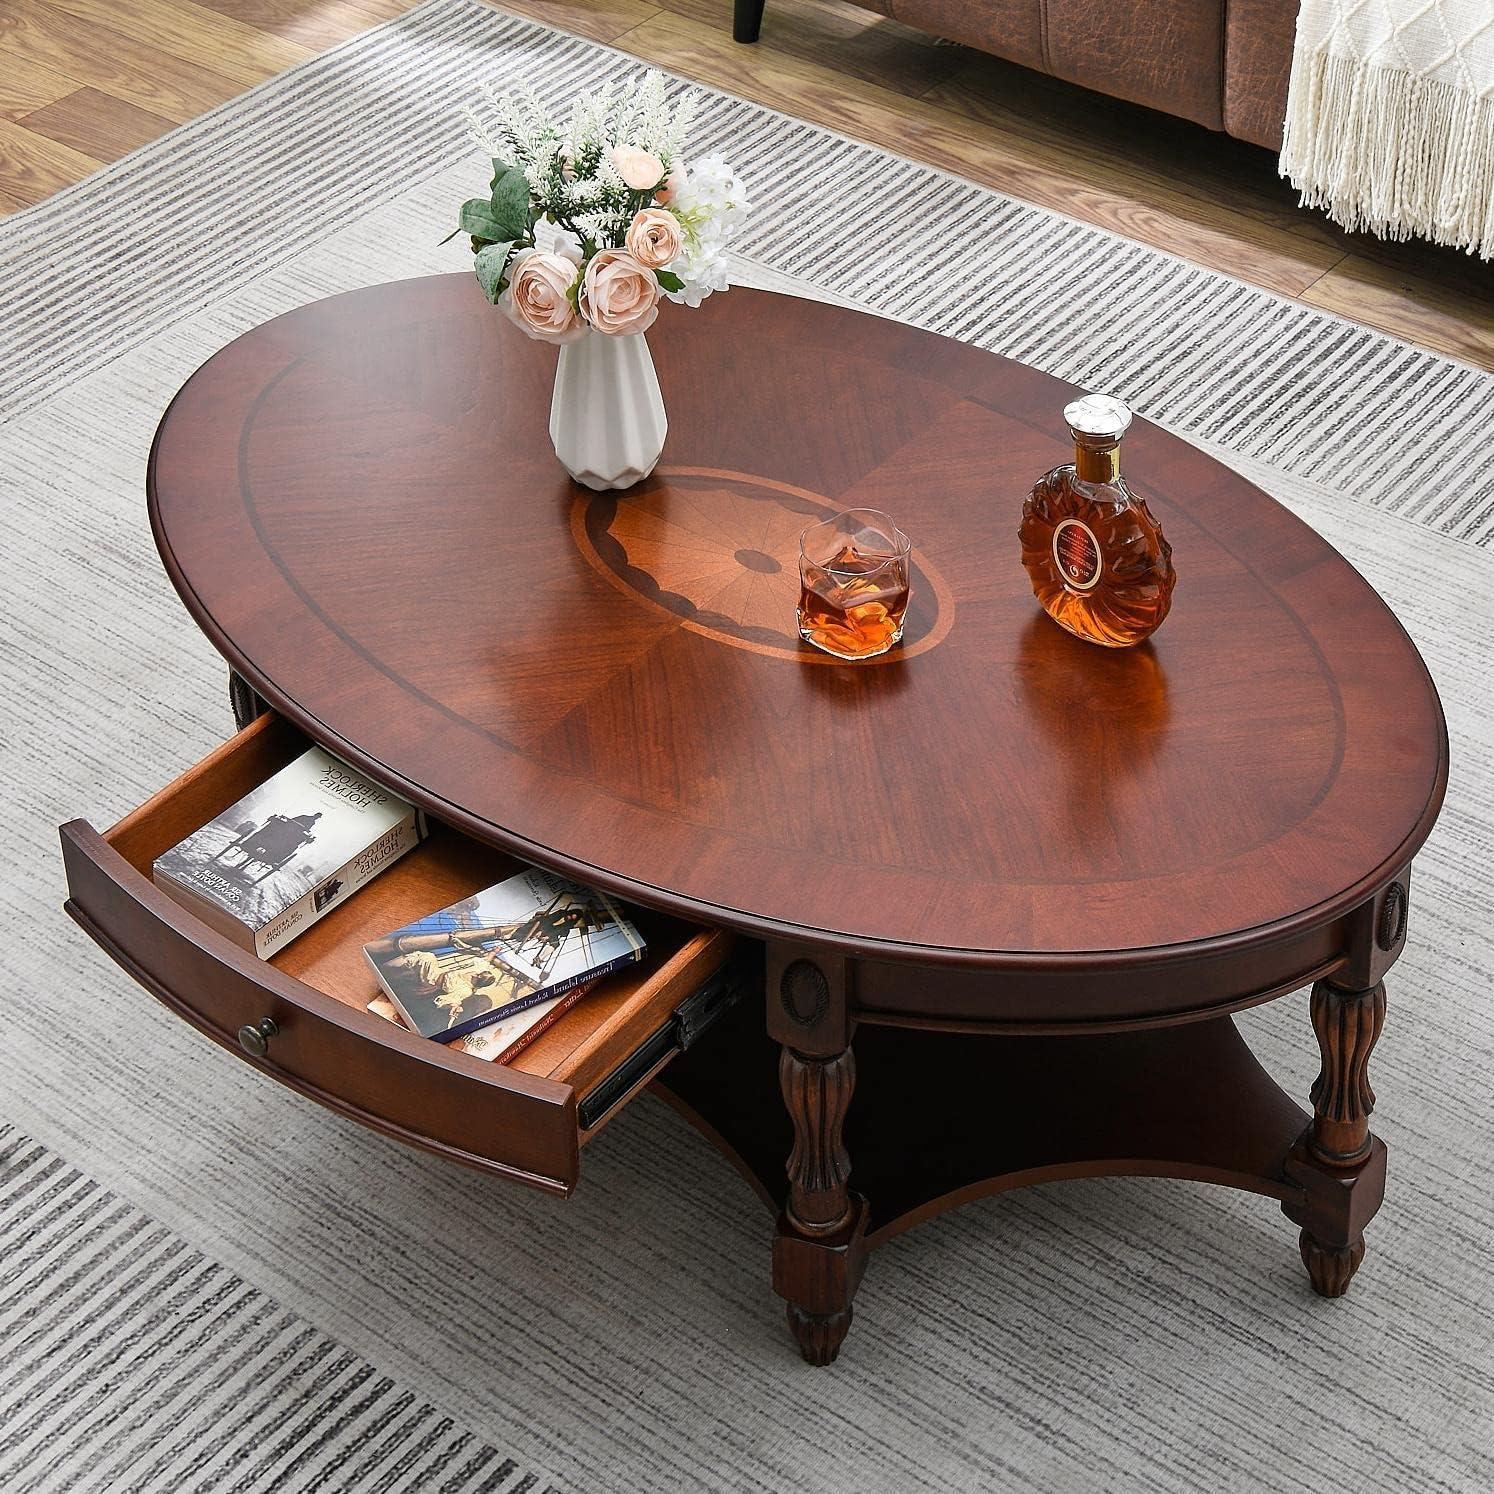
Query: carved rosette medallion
{"x": 1392, "y": 926}
{"x": 805, "y": 992}
{"x": 719, "y": 552}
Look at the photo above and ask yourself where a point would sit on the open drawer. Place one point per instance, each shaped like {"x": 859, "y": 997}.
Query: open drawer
{"x": 525, "y": 1120}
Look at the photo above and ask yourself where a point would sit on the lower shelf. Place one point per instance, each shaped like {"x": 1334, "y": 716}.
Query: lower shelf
{"x": 939, "y": 1119}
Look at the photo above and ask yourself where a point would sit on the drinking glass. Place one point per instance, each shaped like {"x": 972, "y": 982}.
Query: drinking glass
{"x": 853, "y": 584}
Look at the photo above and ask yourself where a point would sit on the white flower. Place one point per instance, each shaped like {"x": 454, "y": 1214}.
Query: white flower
{"x": 713, "y": 198}
{"x": 702, "y": 273}
{"x": 673, "y": 141}
{"x": 712, "y": 205}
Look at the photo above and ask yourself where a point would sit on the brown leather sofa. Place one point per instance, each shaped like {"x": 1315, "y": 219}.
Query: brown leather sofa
{"x": 1222, "y": 63}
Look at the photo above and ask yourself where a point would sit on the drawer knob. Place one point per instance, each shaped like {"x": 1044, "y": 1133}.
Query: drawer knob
{"x": 254, "y": 1037}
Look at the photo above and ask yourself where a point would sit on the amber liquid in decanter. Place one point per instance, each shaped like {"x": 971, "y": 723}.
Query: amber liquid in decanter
{"x": 1097, "y": 559}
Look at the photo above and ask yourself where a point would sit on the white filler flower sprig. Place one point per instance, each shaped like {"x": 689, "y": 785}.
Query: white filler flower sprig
{"x": 586, "y": 227}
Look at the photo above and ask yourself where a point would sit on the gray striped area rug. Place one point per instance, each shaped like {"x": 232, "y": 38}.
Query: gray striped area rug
{"x": 128, "y": 1360}
{"x": 223, "y": 1285}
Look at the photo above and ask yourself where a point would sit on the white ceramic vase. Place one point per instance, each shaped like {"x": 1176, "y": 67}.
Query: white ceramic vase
{"x": 607, "y": 417}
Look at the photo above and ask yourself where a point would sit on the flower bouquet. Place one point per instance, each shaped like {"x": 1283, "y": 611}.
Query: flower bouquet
{"x": 586, "y": 229}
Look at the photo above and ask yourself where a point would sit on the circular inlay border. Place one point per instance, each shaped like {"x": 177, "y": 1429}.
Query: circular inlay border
{"x": 744, "y": 587}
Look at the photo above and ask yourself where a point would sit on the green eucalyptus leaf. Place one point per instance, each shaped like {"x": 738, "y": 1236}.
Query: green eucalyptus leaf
{"x": 478, "y": 220}
{"x": 669, "y": 280}
{"x": 500, "y": 170}
{"x": 509, "y": 206}
{"x": 491, "y": 262}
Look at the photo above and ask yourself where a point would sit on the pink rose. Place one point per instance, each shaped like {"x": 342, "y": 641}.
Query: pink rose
{"x": 537, "y": 299}
{"x": 619, "y": 296}
{"x": 638, "y": 168}
{"x": 673, "y": 186}
{"x": 655, "y": 238}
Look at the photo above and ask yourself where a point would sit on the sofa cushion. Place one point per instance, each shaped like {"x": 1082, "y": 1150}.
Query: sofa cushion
{"x": 1257, "y": 67}
{"x": 1167, "y": 54}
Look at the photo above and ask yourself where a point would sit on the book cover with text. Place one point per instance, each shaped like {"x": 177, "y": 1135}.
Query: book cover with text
{"x": 501, "y": 951}
{"x": 289, "y": 851}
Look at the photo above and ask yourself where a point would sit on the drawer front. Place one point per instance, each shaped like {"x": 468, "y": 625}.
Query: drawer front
{"x": 491, "y": 1117}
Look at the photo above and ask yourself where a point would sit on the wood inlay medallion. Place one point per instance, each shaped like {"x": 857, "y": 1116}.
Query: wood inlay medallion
{"x": 720, "y": 551}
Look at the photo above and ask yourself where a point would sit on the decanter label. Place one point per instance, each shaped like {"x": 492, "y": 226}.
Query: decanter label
{"x": 1076, "y": 553}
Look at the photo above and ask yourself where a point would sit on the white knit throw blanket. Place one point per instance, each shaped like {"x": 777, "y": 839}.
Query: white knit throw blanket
{"x": 1390, "y": 118}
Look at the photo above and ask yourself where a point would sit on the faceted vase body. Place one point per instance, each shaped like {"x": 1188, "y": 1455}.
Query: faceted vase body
{"x": 1097, "y": 559}
{"x": 607, "y": 416}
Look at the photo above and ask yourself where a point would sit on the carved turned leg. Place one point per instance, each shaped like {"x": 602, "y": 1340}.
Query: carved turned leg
{"x": 1337, "y": 1163}
{"x": 818, "y": 1254}
{"x": 817, "y": 1092}
{"x": 747, "y": 20}
{"x": 818, "y": 1257}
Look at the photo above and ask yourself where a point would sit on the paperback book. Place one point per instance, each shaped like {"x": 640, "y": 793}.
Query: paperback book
{"x": 288, "y": 852}
{"x": 505, "y": 1039}
{"x": 502, "y": 951}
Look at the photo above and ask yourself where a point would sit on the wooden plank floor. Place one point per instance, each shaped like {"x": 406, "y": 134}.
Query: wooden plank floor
{"x": 83, "y": 81}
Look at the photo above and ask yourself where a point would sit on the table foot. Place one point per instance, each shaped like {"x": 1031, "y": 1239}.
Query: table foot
{"x": 1330, "y": 1269}
{"x": 818, "y": 1277}
{"x": 747, "y": 20}
{"x": 819, "y": 1335}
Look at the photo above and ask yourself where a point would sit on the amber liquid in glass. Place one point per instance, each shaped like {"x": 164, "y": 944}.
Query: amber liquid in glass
{"x": 854, "y": 604}
{"x": 1097, "y": 559}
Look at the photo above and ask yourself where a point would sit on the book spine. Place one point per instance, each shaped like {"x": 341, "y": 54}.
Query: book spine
{"x": 548, "y": 993}
{"x": 546, "y": 1022}
{"x": 218, "y": 919}
{"x": 474, "y": 1024}
{"x": 378, "y": 975}
{"x": 354, "y": 873}
{"x": 285, "y": 925}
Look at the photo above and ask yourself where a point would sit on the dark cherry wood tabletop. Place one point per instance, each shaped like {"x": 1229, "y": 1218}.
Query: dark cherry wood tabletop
{"x": 360, "y": 506}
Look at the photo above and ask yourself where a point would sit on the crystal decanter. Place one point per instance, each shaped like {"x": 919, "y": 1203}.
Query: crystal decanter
{"x": 1096, "y": 557}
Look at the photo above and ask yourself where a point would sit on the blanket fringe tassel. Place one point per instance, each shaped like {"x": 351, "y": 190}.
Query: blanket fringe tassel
{"x": 1391, "y": 152}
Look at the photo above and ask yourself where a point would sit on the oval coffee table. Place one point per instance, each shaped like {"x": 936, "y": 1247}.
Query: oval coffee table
{"x": 1036, "y": 875}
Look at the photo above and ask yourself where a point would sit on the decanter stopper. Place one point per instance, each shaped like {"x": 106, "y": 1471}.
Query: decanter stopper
{"x": 1097, "y": 418}
{"x": 1097, "y": 422}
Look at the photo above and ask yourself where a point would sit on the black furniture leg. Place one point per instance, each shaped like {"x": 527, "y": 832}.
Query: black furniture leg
{"x": 747, "y": 20}
{"x": 245, "y": 702}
